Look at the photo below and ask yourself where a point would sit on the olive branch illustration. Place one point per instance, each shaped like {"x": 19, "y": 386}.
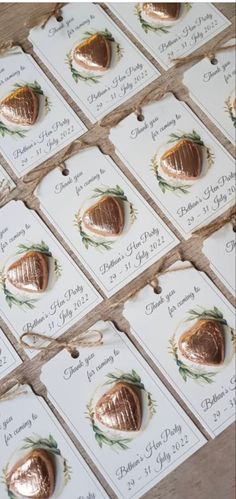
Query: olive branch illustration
{"x": 229, "y": 109}
{"x": 158, "y": 29}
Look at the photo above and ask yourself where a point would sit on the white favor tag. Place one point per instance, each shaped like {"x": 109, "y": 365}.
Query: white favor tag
{"x": 9, "y": 359}
{"x": 115, "y": 241}
{"x": 6, "y": 183}
{"x": 56, "y": 294}
{"x": 166, "y": 39}
{"x": 212, "y": 87}
{"x": 27, "y": 425}
{"x": 131, "y": 461}
{"x": 26, "y": 143}
{"x": 194, "y": 192}
{"x": 96, "y": 91}
{"x": 187, "y": 300}
{"x": 219, "y": 248}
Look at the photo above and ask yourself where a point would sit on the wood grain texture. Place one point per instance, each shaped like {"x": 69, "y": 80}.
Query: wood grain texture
{"x": 210, "y": 472}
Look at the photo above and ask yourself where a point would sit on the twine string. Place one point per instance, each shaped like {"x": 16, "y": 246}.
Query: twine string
{"x": 212, "y": 227}
{"x": 6, "y": 47}
{"x": 34, "y": 177}
{"x": 9, "y": 48}
{"x": 14, "y": 392}
{"x": 116, "y": 117}
{"x": 179, "y": 61}
{"x": 89, "y": 338}
{"x": 42, "y": 20}
{"x": 154, "y": 282}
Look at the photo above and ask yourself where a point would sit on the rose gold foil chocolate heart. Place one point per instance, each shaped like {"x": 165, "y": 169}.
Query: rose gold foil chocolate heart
{"x": 204, "y": 343}
{"x": 162, "y": 11}
{"x": 33, "y": 476}
{"x": 183, "y": 161}
{"x": 21, "y": 107}
{"x": 120, "y": 408}
{"x": 105, "y": 218}
{"x": 94, "y": 53}
{"x": 30, "y": 272}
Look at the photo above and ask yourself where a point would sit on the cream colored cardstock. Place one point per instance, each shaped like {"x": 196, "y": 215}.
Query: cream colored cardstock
{"x": 26, "y": 425}
{"x": 132, "y": 462}
{"x": 159, "y": 321}
{"x": 97, "y": 93}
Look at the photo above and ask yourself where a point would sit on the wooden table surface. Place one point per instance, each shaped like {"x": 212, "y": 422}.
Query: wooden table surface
{"x": 208, "y": 474}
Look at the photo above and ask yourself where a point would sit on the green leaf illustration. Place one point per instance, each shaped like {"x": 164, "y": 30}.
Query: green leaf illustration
{"x": 160, "y": 29}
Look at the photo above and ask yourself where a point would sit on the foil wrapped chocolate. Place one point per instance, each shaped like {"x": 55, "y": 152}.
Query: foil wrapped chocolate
{"x": 20, "y": 107}
{"x": 105, "y": 218}
{"x": 30, "y": 272}
{"x": 204, "y": 343}
{"x": 33, "y": 476}
{"x": 120, "y": 408}
{"x": 94, "y": 53}
{"x": 183, "y": 161}
{"x": 161, "y": 11}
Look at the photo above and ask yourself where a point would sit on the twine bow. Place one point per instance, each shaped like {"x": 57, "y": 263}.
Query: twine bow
{"x": 179, "y": 61}
{"x": 115, "y": 117}
{"x": 14, "y": 392}
{"x": 89, "y": 338}
{"x": 42, "y": 20}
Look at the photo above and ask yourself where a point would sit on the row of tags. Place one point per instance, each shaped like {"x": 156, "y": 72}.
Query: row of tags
{"x": 119, "y": 72}
{"x": 127, "y": 421}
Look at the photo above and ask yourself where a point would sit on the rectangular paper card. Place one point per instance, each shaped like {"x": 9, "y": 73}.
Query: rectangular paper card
{"x": 35, "y": 121}
{"x": 171, "y": 31}
{"x": 27, "y": 426}
{"x": 41, "y": 288}
{"x": 9, "y": 359}
{"x": 180, "y": 165}
{"x": 152, "y": 434}
{"x": 188, "y": 332}
{"x": 107, "y": 223}
{"x": 6, "y": 183}
{"x": 219, "y": 248}
{"x": 92, "y": 59}
{"x": 212, "y": 87}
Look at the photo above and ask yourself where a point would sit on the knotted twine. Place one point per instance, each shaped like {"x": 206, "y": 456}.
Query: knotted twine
{"x": 43, "y": 19}
{"x": 211, "y": 55}
{"x": 114, "y": 118}
{"x": 35, "y": 176}
{"x": 207, "y": 230}
{"x": 89, "y": 338}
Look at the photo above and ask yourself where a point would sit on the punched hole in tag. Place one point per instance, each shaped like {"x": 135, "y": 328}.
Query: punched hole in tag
{"x": 65, "y": 172}
{"x": 213, "y": 61}
{"x": 140, "y": 117}
{"x": 74, "y": 354}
